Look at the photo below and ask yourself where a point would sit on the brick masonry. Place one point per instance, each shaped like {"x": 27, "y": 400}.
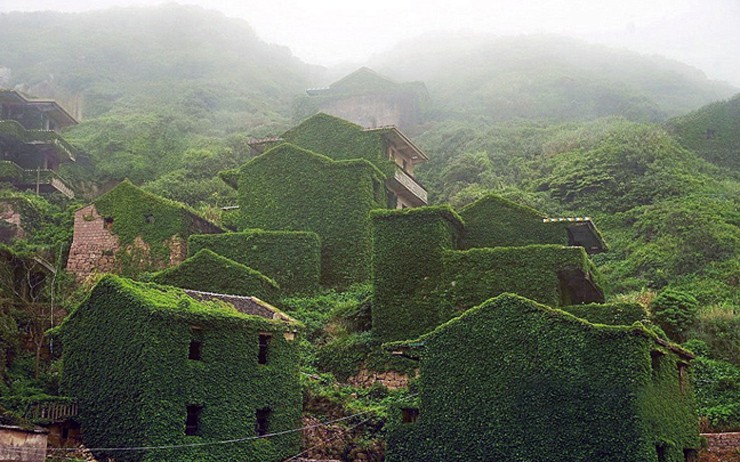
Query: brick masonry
{"x": 94, "y": 247}
{"x": 722, "y": 441}
{"x": 390, "y": 379}
{"x": 8, "y": 214}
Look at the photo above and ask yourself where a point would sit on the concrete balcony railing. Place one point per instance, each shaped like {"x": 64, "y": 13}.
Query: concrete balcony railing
{"x": 411, "y": 185}
{"x": 51, "y": 411}
{"x": 48, "y": 178}
{"x": 14, "y": 130}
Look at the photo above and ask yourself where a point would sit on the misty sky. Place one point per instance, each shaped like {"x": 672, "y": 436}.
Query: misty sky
{"x": 703, "y": 33}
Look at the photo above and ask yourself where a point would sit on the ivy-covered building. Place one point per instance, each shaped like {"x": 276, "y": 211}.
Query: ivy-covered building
{"x": 515, "y": 380}
{"x": 31, "y": 148}
{"x": 431, "y": 263}
{"x": 325, "y": 176}
{"x": 370, "y": 100}
{"x": 156, "y": 366}
{"x": 128, "y": 231}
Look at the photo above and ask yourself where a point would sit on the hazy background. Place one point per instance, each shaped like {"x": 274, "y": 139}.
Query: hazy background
{"x": 702, "y": 33}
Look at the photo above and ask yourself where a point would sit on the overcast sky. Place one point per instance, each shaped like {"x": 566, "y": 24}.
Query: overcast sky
{"x": 703, "y": 33}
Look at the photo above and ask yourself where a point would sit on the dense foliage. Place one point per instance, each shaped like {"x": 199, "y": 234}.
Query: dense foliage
{"x": 289, "y": 188}
{"x": 138, "y": 393}
{"x": 291, "y": 258}
{"x": 513, "y": 380}
{"x": 209, "y": 272}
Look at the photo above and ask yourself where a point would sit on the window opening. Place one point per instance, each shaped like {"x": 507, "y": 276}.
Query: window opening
{"x": 264, "y": 348}
{"x": 263, "y": 421}
{"x": 108, "y": 223}
{"x": 661, "y": 450}
{"x": 409, "y": 414}
{"x": 192, "y": 420}
{"x": 655, "y": 356}
{"x": 195, "y": 351}
{"x": 149, "y": 218}
{"x": 690, "y": 455}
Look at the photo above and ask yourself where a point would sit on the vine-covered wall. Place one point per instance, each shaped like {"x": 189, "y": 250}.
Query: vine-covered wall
{"x": 471, "y": 277}
{"x": 513, "y": 380}
{"x": 291, "y": 258}
{"x": 148, "y": 232}
{"x": 493, "y": 221}
{"x": 209, "y": 272}
{"x": 408, "y": 253}
{"x": 618, "y": 313}
{"x": 289, "y": 188}
{"x": 126, "y": 360}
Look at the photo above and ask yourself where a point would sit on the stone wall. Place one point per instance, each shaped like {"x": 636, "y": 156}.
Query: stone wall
{"x": 717, "y": 442}
{"x": 390, "y": 379}
{"x": 368, "y": 111}
{"x": 13, "y": 218}
{"x": 93, "y": 245}
{"x": 17, "y": 444}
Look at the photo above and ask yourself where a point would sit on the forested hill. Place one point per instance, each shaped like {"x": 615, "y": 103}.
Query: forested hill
{"x": 547, "y": 78}
{"x": 178, "y": 57}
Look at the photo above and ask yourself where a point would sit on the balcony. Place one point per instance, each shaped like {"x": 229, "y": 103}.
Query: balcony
{"x": 55, "y": 410}
{"x": 15, "y": 131}
{"x": 407, "y": 189}
{"x": 39, "y": 180}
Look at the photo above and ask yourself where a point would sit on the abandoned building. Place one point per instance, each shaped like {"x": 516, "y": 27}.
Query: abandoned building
{"x": 31, "y": 148}
{"x": 556, "y": 388}
{"x": 431, "y": 264}
{"x": 325, "y": 176}
{"x": 128, "y": 231}
{"x": 152, "y": 365}
{"x": 369, "y": 100}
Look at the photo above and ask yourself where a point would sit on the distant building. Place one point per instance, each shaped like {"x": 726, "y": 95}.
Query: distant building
{"x": 369, "y": 100}
{"x": 31, "y": 148}
{"x": 512, "y": 380}
{"x": 152, "y": 365}
{"x": 128, "y": 230}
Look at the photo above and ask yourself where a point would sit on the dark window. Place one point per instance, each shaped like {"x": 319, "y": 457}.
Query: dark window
{"x": 195, "y": 350}
{"x": 409, "y": 414}
{"x": 149, "y": 218}
{"x": 192, "y": 420}
{"x": 108, "y": 222}
{"x": 711, "y": 133}
{"x": 690, "y": 455}
{"x": 264, "y": 348}
{"x": 655, "y": 357}
{"x": 661, "y": 450}
{"x": 263, "y": 421}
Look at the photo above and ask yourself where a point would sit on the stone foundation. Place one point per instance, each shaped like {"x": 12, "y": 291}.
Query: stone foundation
{"x": 390, "y": 379}
{"x": 722, "y": 441}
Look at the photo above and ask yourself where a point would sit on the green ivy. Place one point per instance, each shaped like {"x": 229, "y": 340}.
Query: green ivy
{"x": 288, "y": 188}
{"x": 156, "y": 220}
{"x": 622, "y": 313}
{"x": 513, "y": 380}
{"x": 209, "y": 272}
{"x": 291, "y": 258}
{"x": 126, "y": 362}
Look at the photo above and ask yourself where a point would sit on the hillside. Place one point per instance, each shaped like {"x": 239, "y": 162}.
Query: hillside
{"x": 547, "y": 77}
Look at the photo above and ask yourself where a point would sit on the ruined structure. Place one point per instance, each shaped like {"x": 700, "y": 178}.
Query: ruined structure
{"x": 151, "y": 365}
{"x": 325, "y": 176}
{"x": 128, "y": 231}
{"x": 431, "y": 264}
{"x": 31, "y": 148}
{"x": 369, "y": 100}
{"x": 513, "y": 380}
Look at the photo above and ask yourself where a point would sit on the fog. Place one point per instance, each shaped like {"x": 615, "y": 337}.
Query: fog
{"x": 702, "y": 33}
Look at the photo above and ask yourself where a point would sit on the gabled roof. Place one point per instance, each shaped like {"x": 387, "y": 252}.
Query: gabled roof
{"x": 412, "y": 348}
{"x": 48, "y": 106}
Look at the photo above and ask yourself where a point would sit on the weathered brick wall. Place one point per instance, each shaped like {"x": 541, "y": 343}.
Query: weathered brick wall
{"x": 93, "y": 246}
{"x": 390, "y": 379}
{"x": 17, "y": 444}
{"x": 722, "y": 441}
{"x": 9, "y": 214}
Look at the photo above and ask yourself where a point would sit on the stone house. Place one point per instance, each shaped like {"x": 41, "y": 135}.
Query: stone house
{"x": 128, "y": 230}
{"x": 31, "y": 148}
{"x": 152, "y": 365}
{"x": 18, "y": 444}
{"x": 369, "y": 100}
{"x": 514, "y": 380}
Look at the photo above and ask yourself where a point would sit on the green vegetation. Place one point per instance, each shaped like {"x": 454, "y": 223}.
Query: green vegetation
{"x": 545, "y": 374}
{"x": 612, "y": 314}
{"x": 209, "y": 272}
{"x": 134, "y": 213}
{"x": 291, "y": 258}
{"x": 288, "y": 188}
{"x": 138, "y": 394}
